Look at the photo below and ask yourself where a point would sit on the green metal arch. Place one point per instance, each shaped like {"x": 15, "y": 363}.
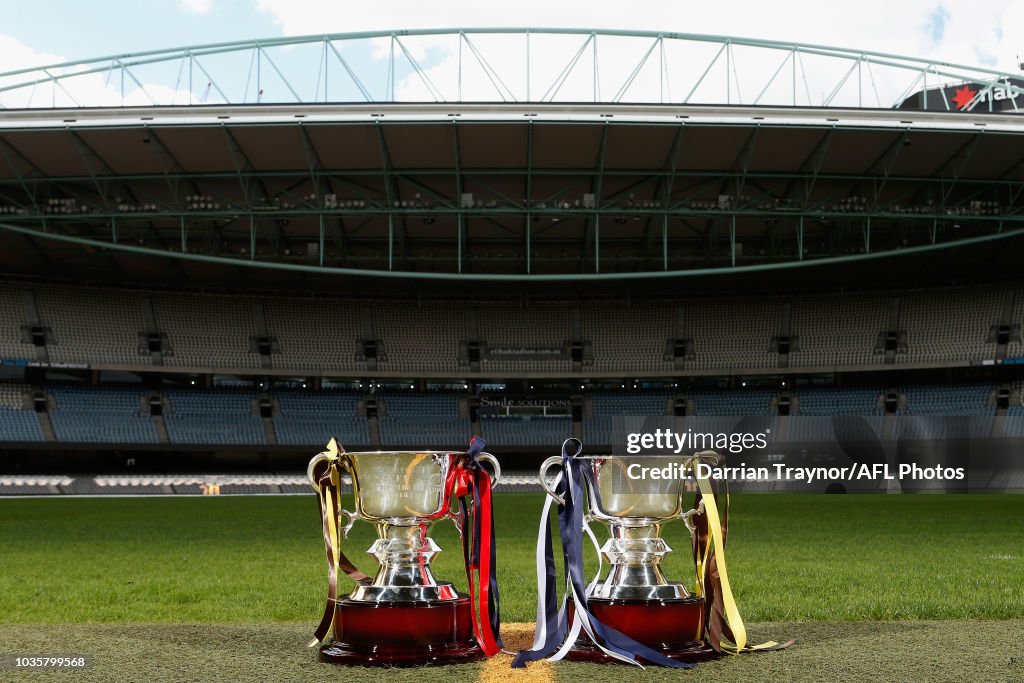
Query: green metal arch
{"x": 363, "y": 76}
{"x": 500, "y": 277}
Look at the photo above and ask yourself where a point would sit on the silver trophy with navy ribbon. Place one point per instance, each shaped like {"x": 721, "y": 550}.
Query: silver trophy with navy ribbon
{"x": 634, "y": 614}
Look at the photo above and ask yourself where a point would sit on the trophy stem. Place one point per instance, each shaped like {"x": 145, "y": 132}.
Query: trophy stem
{"x": 635, "y": 553}
{"x": 637, "y": 600}
{"x": 404, "y": 553}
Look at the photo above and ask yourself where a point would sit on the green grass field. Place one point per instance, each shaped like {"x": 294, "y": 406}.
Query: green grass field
{"x": 113, "y": 577}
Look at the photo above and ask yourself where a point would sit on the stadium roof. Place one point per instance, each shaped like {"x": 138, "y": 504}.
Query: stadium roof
{"x": 450, "y": 188}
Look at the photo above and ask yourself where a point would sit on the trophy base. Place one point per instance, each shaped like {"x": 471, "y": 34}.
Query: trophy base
{"x": 671, "y": 627}
{"x": 400, "y": 634}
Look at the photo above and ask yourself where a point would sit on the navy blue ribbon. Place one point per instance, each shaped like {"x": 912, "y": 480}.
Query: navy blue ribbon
{"x": 570, "y": 524}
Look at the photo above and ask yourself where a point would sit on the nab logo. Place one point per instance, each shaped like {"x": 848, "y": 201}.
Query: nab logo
{"x": 964, "y": 96}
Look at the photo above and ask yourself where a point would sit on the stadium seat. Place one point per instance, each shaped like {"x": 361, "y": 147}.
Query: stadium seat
{"x": 101, "y": 415}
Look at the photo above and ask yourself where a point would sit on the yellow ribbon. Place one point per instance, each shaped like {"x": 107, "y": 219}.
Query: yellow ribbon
{"x": 717, "y": 542}
{"x": 330, "y": 500}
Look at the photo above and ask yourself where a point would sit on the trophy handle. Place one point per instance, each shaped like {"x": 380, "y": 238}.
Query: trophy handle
{"x": 453, "y": 516}
{"x": 545, "y": 466}
{"x": 334, "y": 453}
{"x": 351, "y": 517}
{"x": 688, "y": 516}
{"x": 311, "y": 469}
{"x": 343, "y": 463}
{"x": 345, "y": 528}
{"x": 495, "y": 473}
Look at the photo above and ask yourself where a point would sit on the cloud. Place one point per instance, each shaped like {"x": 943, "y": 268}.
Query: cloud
{"x": 15, "y": 54}
{"x": 937, "y": 23}
{"x": 196, "y": 6}
{"x": 90, "y": 89}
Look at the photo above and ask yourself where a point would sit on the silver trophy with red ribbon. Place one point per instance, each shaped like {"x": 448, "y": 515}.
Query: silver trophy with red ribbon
{"x": 403, "y": 616}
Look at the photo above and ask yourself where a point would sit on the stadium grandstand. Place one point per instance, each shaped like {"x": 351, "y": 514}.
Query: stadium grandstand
{"x": 220, "y": 274}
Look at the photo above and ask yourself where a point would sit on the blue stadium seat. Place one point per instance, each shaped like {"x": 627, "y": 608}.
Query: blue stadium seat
{"x": 546, "y": 432}
{"x": 101, "y": 415}
{"x": 429, "y": 421}
{"x": 312, "y": 418}
{"x": 212, "y": 418}
{"x": 963, "y": 400}
{"x": 827, "y": 402}
{"x": 745, "y": 402}
{"x": 19, "y": 425}
{"x": 597, "y": 430}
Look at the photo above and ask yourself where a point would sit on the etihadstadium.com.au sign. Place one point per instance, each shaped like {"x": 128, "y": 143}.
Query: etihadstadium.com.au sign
{"x": 836, "y": 453}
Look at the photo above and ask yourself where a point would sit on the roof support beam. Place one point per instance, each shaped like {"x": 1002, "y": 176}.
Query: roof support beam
{"x": 809, "y": 170}
{"x": 321, "y": 181}
{"x": 638, "y": 175}
{"x": 174, "y": 173}
{"x": 395, "y": 220}
{"x": 735, "y": 181}
{"x": 243, "y": 167}
{"x": 882, "y": 168}
{"x": 663, "y": 191}
{"x": 528, "y": 215}
{"x": 252, "y": 186}
{"x": 956, "y": 165}
{"x": 21, "y": 167}
{"x": 743, "y": 163}
{"x": 1015, "y": 232}
{"x": 460, "y": 216}
{"x": 91, "y": 158}
{"x": 594, "y": 222}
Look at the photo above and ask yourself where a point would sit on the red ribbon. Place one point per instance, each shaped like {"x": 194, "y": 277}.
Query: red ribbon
{"x": 473, "y": 481}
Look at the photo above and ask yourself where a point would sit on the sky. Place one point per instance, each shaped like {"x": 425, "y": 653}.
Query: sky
{"x": 986, "y": 33}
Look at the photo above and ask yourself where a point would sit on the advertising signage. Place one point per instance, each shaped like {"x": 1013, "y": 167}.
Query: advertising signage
{"x": 1005, "y": 96}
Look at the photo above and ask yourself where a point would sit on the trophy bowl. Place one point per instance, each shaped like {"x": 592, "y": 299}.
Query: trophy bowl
{"x": 635, "y": 597}
{"x": 618, "y": 498}
{"x": 402, "y": 615}
{"x": 635, "y": 510}
{"x": 402, "y": 487}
